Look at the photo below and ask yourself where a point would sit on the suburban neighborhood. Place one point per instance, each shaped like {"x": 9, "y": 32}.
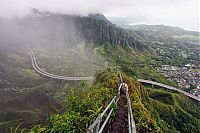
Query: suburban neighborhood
{"x": 186, "y": 77}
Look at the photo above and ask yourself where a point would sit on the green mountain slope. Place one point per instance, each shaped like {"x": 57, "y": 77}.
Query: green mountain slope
{"x": 178, "y": 112}
{"x": 154, "y": 110}
{"x": 79, "y": 46}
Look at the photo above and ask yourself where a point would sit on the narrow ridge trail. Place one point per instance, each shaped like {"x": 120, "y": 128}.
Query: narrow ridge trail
{"x": 119, "y": 122}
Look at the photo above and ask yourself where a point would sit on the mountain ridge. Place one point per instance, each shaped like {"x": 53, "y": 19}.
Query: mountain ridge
{"x": 51, "y": 35}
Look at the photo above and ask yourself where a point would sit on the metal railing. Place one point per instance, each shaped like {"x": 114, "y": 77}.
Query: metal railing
{"x": 131, "y": 122}
{"x": 96, "y": 125}
{"x": 170, "y": 88}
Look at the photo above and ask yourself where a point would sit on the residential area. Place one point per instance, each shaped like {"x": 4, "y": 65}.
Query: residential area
{"x": 187, "y": 77}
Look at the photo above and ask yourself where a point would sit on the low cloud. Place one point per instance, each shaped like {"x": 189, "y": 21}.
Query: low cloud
{"x": 22, "y": 7}
{"x": 183, "y": 13}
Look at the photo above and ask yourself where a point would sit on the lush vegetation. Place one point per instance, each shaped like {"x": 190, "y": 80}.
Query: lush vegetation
{"x": 154, "y": 110}
{"x": 27, "y": 97}
{"x": 145, "y": 121}
{"x": 83, "y": 105}
{"x": 173, "y": 111}
{"x": 140, "y": 65}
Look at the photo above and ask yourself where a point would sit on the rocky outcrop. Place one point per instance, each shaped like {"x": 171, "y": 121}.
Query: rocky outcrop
{"x": 97, "y": 29}
{"x": 102, "y": 31}
{"x": 60, "y": 29}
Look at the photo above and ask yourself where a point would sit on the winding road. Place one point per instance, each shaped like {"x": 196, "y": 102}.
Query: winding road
{"x": 50, "y": 75}
{"x": 170, "y": 88}
{"x": 53, "y": 76}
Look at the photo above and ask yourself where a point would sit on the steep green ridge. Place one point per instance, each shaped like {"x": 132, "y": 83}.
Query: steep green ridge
{"x": 85, "y": 38}
{"x": 154, "y": 110}
{"x": 137, "y": 65}
{"x": 122, "y": 58}
{"x": 83, "y": 105}
{"x": 174, "y": 111}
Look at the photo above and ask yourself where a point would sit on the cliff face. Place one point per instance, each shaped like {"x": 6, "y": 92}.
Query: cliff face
{"x": 98, "y": 29}
{"x": 59, "y": 29}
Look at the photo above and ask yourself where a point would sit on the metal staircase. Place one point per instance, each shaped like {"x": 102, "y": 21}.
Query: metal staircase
{"x": 98, "y": 126}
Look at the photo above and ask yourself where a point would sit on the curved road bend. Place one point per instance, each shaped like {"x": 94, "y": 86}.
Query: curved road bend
{"x": 53, "y": 76}
{"x": 170, "y": 88}
{"x": 39, "y": 70}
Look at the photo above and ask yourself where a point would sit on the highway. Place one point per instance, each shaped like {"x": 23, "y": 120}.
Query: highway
{"x": 170, "y": 88}
{"x": 50, "y": 75}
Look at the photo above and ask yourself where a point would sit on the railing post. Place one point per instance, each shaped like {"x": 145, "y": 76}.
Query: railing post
{"x": 104, "y": 124}
{"x": 131, "y": 124}
{"x": 98, "y": 124}
{"x": 129, "y": 121}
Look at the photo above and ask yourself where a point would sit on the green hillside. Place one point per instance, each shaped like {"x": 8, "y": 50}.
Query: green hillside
{"x": 89, "y": 46}
{"x": 174, "y": 111}
{"x": 154, "y": 110}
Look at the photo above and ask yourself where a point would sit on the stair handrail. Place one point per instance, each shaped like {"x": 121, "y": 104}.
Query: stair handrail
{"x": 131, "y": 122}
{"x": 96, "y": 124}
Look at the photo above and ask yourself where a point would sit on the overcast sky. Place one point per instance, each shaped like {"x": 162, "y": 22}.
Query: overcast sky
{"x": 182, "y": 13}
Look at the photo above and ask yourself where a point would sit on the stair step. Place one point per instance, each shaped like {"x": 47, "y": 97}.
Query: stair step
{"x": 118, "y": 125}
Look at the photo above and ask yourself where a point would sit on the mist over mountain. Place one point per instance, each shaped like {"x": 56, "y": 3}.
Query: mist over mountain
{"x": 81, "y": 45}
{"x": 45, "y": 26}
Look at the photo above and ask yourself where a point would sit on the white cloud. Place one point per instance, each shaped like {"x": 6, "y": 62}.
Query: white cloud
{"x": 172, "y": 12}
